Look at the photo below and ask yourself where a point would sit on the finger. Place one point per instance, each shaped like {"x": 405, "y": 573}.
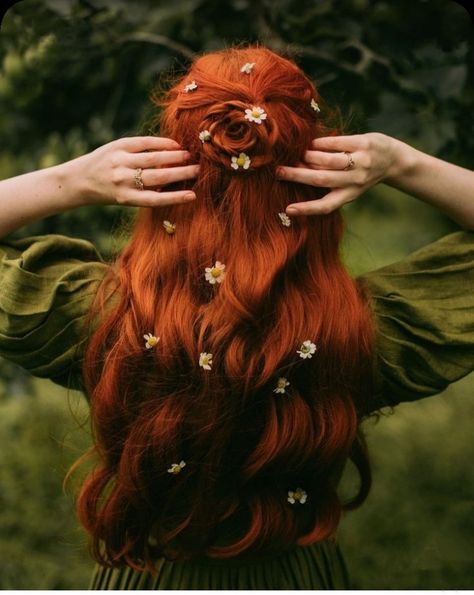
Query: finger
{"x": 164, "y": 176}
{"x": 324, "y": 160}
{"x": 340, "y": 143}
{"x": 323, "y": 178}
{"x": 156, "y": 158}
{"x": 323, "y": 206}
{"x": 146, "y": 143}
{"x": 149, "y": 198}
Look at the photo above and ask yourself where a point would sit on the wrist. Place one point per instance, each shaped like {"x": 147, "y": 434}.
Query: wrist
{"x": 70, "y": 178}
{"x": 404, "y": 162}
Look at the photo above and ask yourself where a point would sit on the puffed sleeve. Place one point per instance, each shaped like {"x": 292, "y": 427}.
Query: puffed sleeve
{"x": 47, "y": 283}
{"x": 424, "y": 314}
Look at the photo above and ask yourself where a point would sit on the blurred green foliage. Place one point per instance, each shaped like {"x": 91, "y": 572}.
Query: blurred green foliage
{"x": 415, "y": 530}
{"x": 42, "y": 432}
{"x": 76, "y": 74}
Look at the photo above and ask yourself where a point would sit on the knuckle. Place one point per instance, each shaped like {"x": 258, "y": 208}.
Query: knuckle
{"x": 360, "y": 178}
{"x": 162, "y": 178}
{"x": 365, "y": 142}
{"x": 118, "y": 143}
{"x": 150, "y": 160}
{"x": 121, "y": 199}
{"x": 321, "y": 180}
{"x": 300, "y": 210}
{"x": 367, "y": 161}
{"x": 325, "y": 209}
{"x": 114, "y": 159}
{"x": 117, "y": 175}
{"x": 327, "y": 160}
{"x": 375, "y": 137}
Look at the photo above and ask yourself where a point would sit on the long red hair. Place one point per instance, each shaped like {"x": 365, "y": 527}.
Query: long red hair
{"x": 244, "y": 445}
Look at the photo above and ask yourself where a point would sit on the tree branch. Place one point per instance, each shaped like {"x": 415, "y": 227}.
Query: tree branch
{"x": 145, "y": 37}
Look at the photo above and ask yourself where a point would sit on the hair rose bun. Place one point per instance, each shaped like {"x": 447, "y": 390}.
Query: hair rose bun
{"x": 236, "y": 127}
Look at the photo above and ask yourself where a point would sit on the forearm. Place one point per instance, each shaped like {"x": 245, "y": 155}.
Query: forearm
{"x": 439, "y": 183}
{"x": 38, "y": 194}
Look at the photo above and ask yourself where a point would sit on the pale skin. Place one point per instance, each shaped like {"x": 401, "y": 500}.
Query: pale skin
{"x": 380, "y": 158}
{"x": 106, "y": 176}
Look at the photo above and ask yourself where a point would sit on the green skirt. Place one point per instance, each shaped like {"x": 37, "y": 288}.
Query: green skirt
{"x": 319, "y": 566}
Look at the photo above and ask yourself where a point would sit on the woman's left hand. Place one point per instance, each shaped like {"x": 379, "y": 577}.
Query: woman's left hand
{"x": 373, "y": 156}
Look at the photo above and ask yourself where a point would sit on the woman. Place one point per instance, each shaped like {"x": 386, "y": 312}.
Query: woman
{"x": 226, "y": 353}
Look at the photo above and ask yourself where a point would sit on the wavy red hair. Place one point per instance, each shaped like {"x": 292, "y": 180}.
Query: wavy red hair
{"x": 244, "y": 445}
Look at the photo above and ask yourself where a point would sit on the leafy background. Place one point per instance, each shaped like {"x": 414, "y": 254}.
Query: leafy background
{"x": 76, "y": 74}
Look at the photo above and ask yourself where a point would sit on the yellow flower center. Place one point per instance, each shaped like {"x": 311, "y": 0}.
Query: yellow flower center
{"x": 298, "y": 495}
{"x": 256, "y": 114}
{"x": 241, "y": 161}
{"x": 152, "y": 340}
{"x": 215, "y": 272}
{"x": 281, "y": 383}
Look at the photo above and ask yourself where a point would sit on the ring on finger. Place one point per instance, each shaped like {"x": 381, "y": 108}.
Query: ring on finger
{"x": 138, "y": 178}
{"x": 350, "y": 161}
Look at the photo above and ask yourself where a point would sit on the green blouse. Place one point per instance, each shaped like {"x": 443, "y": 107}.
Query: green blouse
{"x": 424, "y": 312}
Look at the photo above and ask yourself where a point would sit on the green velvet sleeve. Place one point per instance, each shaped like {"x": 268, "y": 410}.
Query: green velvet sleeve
{"x": 47, "y": 283}
{"x": 424, "y": 311}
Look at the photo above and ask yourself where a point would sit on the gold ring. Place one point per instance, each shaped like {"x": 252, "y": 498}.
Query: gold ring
{"x": 138, "y": 178}
{"x": 350, "y": 161}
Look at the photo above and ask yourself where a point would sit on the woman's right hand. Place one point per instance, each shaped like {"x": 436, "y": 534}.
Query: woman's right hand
{"x": 375, "y": 157}
{"x": 107, "y": 174}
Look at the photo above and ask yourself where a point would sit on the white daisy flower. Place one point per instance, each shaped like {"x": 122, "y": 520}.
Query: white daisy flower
{"x": 281, "y": 384}
{"x": 190, "y": 87}
{"x": 247, "y": 67}
{"x": 242, "y": 160}
{"x": 176, "y": 467}
{"x": 169, "y": 227}
{"x": 151, "y": 340}
{"x": 298, "y": 495}
{"x": 315, "y": 106}
{"x": 307, "y": 349}
{"x": 204, "y": 136}
{"x": 205, "y": 360}
{"x": 256, "y": 114}
{"x": 216, "y": 273}
{"x": 285, "y": 219}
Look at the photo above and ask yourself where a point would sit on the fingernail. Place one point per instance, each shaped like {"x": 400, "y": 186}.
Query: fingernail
{"x": 292, "y": 210}
{"x": 189, "y": 196}
{"x": 279, "y": 171}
